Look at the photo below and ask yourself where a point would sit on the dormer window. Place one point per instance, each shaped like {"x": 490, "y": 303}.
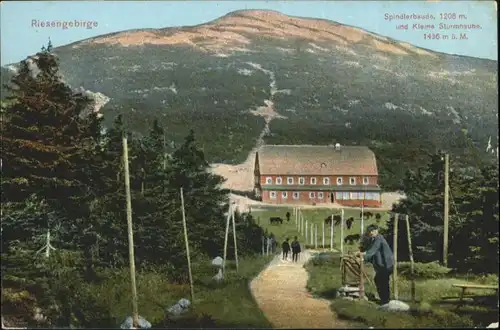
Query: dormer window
{"x": 279, "y": 180}
{"x": 366, "y": 180}
{"x": 352, "y": 181}
{"x": 289, "y": 180}
{"x": 326, "y": 181}
{"x": 302, "y": 181}
{"x": 313, "y": 180}
{"x": 339, "y": 181}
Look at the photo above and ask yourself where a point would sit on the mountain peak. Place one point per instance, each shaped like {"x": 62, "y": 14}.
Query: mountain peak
{"x": 236, "y": 30}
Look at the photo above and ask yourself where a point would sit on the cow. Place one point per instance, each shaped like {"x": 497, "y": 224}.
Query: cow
{"x": 287, "y": 215}
{"x": 275, "y": 220}
{"x": 337, "y": 218}
{"x": 349, "y": 223}
{"x": 378, "y": 217}
{"x": 367, "y": 215}
{"x": 351, "y": 239}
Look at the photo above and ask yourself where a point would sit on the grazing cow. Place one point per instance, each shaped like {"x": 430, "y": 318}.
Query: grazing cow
{"x": 288, "y": 216}
{"x": 337, "y": 218}
{"x": 378, "y": 217}
{"x": 349, "y": 223}
{"x": 275, "y": 220}
{"x": 367, "y": 215}
{"x": 351, "y": 239}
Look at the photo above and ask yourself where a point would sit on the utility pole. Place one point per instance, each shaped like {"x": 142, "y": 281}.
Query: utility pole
{"x": 135, "y": 313}
{"x": 446, "y": 208}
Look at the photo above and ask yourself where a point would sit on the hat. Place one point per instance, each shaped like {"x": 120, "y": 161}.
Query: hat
{"x": 371, "y": 228}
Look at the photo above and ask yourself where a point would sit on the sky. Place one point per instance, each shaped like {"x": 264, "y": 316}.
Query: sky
{"x": 19, "y": 38}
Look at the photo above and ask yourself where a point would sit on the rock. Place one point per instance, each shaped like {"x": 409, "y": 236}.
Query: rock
{"x": 179, "y": 308}
{"x": 396, "y": 306}
{"x": 219, "y": 276}
{"x": 348, "y": 289}
{"x": 128, "y": 324}
{"x": 184, "y": 303}
{"x": 218, "y": 262}
{"x": 492, "y": 325}
{"x": 348, "y": 298}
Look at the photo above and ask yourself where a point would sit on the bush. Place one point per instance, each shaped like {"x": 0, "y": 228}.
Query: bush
{"x": 429, "y": 270}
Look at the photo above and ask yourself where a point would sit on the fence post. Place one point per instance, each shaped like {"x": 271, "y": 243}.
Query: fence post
{"x": 412, "y": 265}
{"x": 316, "y": 236}
{"x": 395, "y": 252}
{"x": 342, "y": 232}
{"x": 323, "y": 232}
{"x": 306, "y": 233}
{"x": 331, "y": 233}
{"x": 187, "y": 248}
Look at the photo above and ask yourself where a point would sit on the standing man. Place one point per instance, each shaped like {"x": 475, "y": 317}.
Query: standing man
{"x": 295, "y": 249}
{"x": 379, "y": 254}
{"x": 286, "y": 248}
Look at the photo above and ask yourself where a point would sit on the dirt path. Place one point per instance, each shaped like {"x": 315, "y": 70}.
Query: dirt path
{"x": 280, "y": 291}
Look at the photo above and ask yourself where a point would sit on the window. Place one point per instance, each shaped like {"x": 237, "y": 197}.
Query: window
{"x": 354, "y": 195}
{"x": 311, "y": 195}
{"x": 339, "y": 196}
{"x": 279, "y": 180}
{"x": 345, "y": 195}
{"x": 339, "y": 181}
{"x": 361, "y": 196}
{"x": 376, "y": 196}
{"x": 295, "y": 195}
{"x": 352, "y": 181}
{"x": 313, "y": 180}
{"x": 284, "y": 194}
{"x": 272, "y": 194}
{"x": 320, "y": 195}
{"x": 269, "y": 180}
{"x": 366, "y": 180}
{"x": 289, "y": 180}
{"x": 302, "y": 180}
{"x": 326, "y": 180}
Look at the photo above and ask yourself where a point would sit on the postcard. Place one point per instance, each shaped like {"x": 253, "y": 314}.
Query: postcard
{"x": 285, "y": 131}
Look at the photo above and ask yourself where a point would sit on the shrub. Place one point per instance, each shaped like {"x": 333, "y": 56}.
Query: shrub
{"x": 430, "y": 270}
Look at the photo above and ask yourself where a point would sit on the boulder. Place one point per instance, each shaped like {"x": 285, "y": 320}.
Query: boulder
{"x": 218, "y": 262}
{"x": 493, "y": 325}
{"x": 181, "y": 307}
{"x": 128, "y": 324}
{"x": 395, "y": 306}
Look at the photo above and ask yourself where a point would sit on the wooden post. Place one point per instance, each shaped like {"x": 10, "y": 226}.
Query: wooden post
{"x": 412, "y": 266}
{"x": 361, "y": 279}
{"x": 306, "y": 232}
{"x": 316, "y": 236}
{"x": 395, "y": 252}
{"x": 362, "y": 219}
{"x": 226, "y": 237}
{"x": 331, "y": 233}
{"x": 323, "y": 233}
{"x": 263, "y": 245}
{"x": 312, "y": 234}
{"x": 446, "y": 209}
{"x": 135, "y": 309}
{"x": 342, "y": 232}
{"x": 187, "y": 247}
{"x": 235, "y": 242}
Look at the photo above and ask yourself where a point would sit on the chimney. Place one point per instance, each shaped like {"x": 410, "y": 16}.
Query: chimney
{"x": 337, "y": 146}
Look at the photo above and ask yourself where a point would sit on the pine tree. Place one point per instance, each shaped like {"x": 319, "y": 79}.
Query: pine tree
{"x": 205, "y": 200}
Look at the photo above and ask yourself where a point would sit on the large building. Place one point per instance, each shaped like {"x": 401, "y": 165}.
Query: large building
{"x": 307, "y": 174}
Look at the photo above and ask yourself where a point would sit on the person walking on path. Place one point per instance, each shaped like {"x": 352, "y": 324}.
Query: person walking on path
{"x": 379, "y": 254}
{"x": 286, "y": 248}
{"x": 295, "y": 249}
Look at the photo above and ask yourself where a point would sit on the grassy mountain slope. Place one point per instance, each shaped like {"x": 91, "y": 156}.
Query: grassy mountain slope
{"x": 316, "y": 81}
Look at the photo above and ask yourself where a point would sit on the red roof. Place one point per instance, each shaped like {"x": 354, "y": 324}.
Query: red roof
{"x": 316, "y": 160}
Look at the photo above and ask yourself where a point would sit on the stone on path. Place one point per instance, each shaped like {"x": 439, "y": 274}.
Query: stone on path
{"x": 217, "y": 262}
{"x": 179, "y": 308}
{"x": 395, "y": 306}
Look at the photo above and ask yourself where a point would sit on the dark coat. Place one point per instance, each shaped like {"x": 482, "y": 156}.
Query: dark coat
{"x": 285, "y": 246}
{"x": 379, "y": 254}
{"x": 295, "y": 247}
